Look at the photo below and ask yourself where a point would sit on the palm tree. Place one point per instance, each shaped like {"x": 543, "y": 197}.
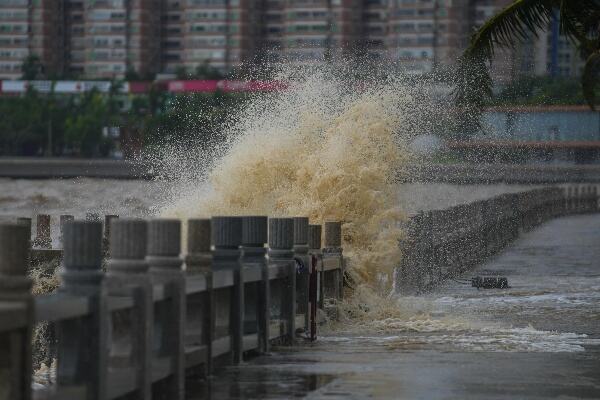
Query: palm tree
{"x": 579, "y": 21}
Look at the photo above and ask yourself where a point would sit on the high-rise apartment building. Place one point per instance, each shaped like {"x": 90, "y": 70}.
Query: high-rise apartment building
{"x": 110, "y": 38}
{"x": 122, "y": 36}
{"x": 220, "y": 33}
{"x": 31, "y": 27}
{"x": 425, "y": 34}
{"x": 375, "y": 27}
{"x": 74, "y": 37}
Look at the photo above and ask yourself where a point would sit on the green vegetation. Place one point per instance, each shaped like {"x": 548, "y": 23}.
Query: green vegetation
{"x": 579, "y": 20}
{"x": 540, "y": 91}
{"x": 73, "y": 125}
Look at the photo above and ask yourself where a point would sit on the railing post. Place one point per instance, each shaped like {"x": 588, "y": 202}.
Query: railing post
{"x": 42, "y": 237}
{"x": 316, "y": 279}
{"x": 62, "y": 221}
{"x": 127, "y": 277}
{"x": 256, "y": 296}
{"x": 25, "y": 221}
{"x": 281, "y": 241}
{"x": 200, "y": 309}
{"x": 165, "y": 263}
{"x": 227, "y": 238}
{"x": 303, "y": 261}
{"x": 82, "y": 342}
{"x": 105, "y": 239}
{"x": 333, "y": 249}
{"x": 15, "y": 291}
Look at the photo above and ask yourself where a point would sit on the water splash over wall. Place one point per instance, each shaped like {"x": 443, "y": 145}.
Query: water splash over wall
{"x": 328, "y": 148}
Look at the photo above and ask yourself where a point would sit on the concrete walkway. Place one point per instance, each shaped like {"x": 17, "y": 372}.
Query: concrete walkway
{"x": 539, "y": 339}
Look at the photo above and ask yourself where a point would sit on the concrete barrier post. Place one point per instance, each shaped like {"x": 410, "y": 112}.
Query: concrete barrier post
{"x": 227, "y": 238}
{"x": 333, "y": 249}
{"x": 200, "y": 308}
{"x": 42, "y": 237}
{"x": 257, "y": 313}
{"x": 82, "y": 356}
{"x": 303, "y": 262}
{"x": 165, "y": 263}
{"x": 63, "y": 219}
{"x": 105, "y": 239}
{"x": 127, "y": 276}
{"x": 25, "y": 221}
{"x": 281, "y": 242}
{"x": 15, "y": 295}
{"x": 569, "y": 208}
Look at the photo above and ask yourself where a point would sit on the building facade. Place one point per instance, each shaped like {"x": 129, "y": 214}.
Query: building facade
{"x": 141, "y": 38}
{"x": 31, "y": 27}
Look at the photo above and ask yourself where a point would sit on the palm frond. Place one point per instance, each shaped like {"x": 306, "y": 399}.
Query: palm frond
{"x": 590, "y": 77}
{"x": 579, "y": 21}
{"x": 514, "y": 22}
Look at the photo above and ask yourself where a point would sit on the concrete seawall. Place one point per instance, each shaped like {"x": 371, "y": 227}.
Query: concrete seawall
{"x": 51, "y": 168}
{"x": 502, "y": 173}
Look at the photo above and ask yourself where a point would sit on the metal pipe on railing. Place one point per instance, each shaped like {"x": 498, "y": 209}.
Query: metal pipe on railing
{"x": 303, "y": 268}
{"x": 316, "y": 293}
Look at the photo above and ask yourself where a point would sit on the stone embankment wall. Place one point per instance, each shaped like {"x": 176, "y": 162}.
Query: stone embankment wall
{"x": 502, "y": 173}
{"x": 442, "y": 244}
{"x": 49, "y": 168}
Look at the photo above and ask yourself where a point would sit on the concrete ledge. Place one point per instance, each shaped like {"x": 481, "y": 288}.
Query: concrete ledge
{"x": 502, "y": 173}
{"x": 49, "y": 168}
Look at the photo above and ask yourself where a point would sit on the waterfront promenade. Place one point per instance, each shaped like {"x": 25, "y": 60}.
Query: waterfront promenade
{"x": 539, "y": 339}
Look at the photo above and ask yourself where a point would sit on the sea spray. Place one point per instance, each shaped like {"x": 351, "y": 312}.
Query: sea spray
{"x": 325, "y": 148}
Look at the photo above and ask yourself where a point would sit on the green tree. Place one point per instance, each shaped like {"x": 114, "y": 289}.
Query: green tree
{"x": 579, "y": 21}
{"x": 32, "y": 68}
{"x": 132, "y": 75}
{"x": 206, "y": 71}
{"x": 83, "y": 129}
{"x": 541, "y": 90}
{"x": 181, "y": 72}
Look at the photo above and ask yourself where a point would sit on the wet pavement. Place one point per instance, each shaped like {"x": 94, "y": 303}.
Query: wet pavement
{"x": 538, "y": 339}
